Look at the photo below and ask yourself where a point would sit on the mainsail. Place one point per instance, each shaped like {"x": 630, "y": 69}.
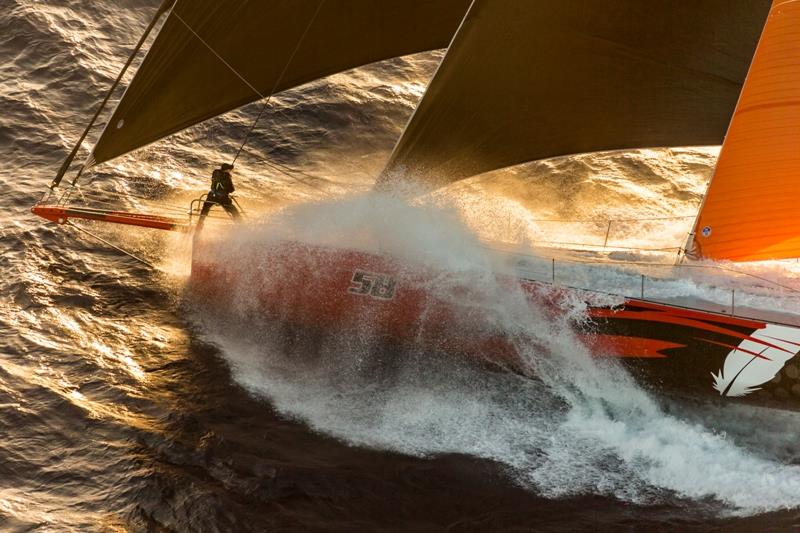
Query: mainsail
{"x": 531, "y": 80}
{"x": 212, "y": 56}
{"x": 752, "y": 208}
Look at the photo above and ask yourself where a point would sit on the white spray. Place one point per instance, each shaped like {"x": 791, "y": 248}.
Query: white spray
{"x": 582, "y": 427}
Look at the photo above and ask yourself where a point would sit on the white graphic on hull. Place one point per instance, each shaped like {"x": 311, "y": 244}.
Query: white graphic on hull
{"x": 752, "y": 364}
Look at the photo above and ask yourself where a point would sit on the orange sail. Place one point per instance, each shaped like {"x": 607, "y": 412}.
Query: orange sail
{"x": 752, "y": 208}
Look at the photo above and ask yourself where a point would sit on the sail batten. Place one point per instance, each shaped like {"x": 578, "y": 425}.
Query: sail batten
{"x": 533, "y": 80}
{"x": 212, "y": 56}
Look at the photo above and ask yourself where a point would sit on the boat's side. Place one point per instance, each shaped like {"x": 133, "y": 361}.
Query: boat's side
{"x": 667, "y": 347}
{"x": 702, "y": 353}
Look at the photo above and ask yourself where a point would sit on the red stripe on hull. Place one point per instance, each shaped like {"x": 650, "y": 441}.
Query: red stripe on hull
{"x": 675, "y": 313}
{"x": 672, "y": 348}
{"x": 623, "y": 346}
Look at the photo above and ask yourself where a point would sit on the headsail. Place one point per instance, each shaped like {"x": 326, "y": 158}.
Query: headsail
{"x": 182, "y": 81}
{"x": 531, "y": 80}
{"x": 752, "y": 208}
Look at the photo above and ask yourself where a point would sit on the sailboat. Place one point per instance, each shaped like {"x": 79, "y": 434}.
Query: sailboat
{"x": 520, "y": 81}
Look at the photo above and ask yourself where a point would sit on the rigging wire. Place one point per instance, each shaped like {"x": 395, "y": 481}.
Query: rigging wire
{"x": 685, "y": 265}
{"x": 244, "y": 80}
{"x": 613, "y": 247}
{"x": 292, "y": 173}
{"x": 590, "y": 220}
{"x": 167, "y": 4}
{"x": 101, "y": 198}
{"x": 112, "y": 245}
{"x": 647, "y": 264}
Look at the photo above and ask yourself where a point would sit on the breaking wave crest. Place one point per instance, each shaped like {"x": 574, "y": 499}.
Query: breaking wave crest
{"x": 580, "y": 426}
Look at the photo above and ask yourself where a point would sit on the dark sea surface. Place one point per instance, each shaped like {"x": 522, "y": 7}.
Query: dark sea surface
{"x": 125, "y": 405}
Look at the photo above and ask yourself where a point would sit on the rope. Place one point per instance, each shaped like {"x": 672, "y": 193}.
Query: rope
{"x": 112, "y": 245}
{"x": 102, "y": 197}
{"x": 291, "y": 173}
{"x": 251, "y": 86}
{"x": 278, "y": 80}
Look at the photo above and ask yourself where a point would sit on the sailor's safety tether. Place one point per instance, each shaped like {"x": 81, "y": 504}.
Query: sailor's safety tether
{"x": 275, "y": 86}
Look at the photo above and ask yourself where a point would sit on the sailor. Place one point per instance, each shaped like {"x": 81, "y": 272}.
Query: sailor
{"x": 221, "y": 188}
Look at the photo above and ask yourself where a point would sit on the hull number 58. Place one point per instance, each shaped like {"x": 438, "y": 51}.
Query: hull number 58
{"x": 372, "y": 284}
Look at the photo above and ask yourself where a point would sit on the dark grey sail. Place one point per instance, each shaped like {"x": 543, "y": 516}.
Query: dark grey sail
{"x": 528, "y": 80}
{"x": 212, "y": 56}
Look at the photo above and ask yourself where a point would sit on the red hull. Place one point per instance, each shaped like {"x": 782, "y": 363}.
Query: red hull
{"x": 667, "y": 347}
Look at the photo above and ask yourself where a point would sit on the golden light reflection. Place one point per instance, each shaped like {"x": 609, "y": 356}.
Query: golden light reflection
{"x": 40, "y": 340}
{"x": 62, "y": 386}
{"x": 67, "y": 322}
{"x": 177, "y": 264}
{"x": 127, "y": 362}
{"x": 173, "y": 178}
{"x": 642, "y": 200}
{"x": 16, "y": 502}
{"x": 412, "y": 89}
{"x": 76, "y": 395}
{"x": 121, "y": 356}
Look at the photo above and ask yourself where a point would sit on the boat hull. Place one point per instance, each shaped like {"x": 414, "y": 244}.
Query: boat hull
{"x": 667, "y": 348}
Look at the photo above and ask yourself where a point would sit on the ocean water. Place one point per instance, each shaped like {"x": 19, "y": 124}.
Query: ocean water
{"x": 127, "y": 405}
